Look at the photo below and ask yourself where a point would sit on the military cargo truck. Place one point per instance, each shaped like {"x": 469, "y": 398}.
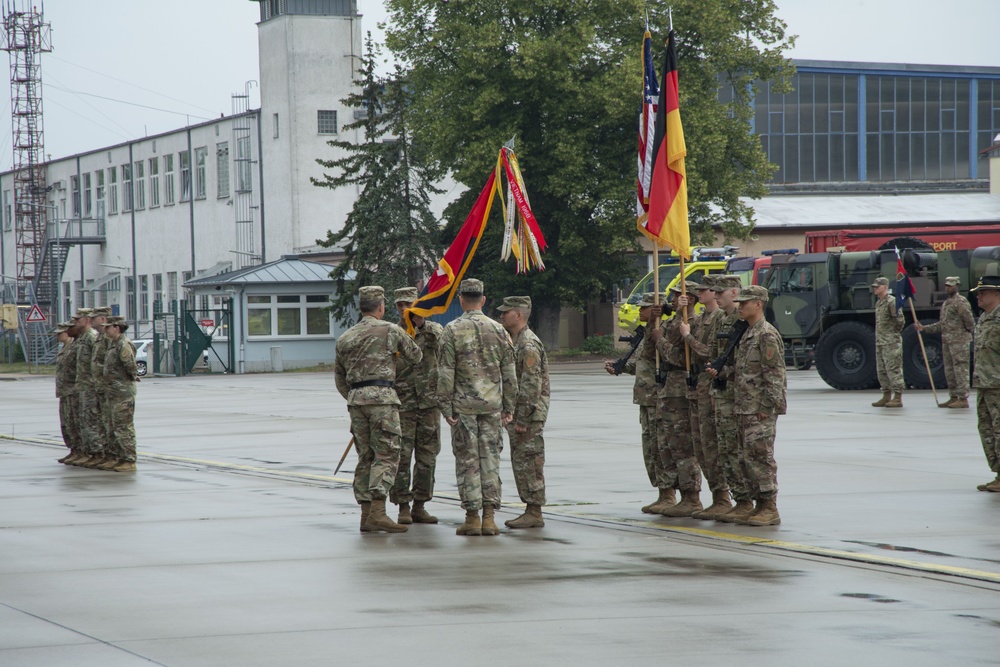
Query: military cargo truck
{"x": 822, "y": 303}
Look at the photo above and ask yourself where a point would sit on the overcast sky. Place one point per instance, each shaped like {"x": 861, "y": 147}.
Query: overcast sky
{"x": 186, "y": 57}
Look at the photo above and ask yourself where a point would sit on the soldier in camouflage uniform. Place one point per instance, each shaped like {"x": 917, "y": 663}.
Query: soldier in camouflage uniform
{"x": 986, "y": 377}
{"x": 365, "y": 371}
{"x": 660, "y": 466}
{"x": 723, "y": 397}
{"x": 889, "y": 323}
{"x": 101, "y": 344}
{"x": 527, "y": 448}
{"x": 419, "y": 418}
{"x": 956, "y": 326}
{"x": 65, "y": 388}
{"x": 119, "y": 377}
{"x": 700, "y": 337}
{"x": 760, "y": 393}
{"x": 477, "y": 387}
{"x": 674, "y": 407}
{"x": 89, "y": 417}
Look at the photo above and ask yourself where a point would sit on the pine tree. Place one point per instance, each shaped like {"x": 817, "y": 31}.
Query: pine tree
{"x": 390, "y": 235}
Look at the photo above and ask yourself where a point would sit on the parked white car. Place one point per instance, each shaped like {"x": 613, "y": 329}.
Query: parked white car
{"x": 142, "y": 348}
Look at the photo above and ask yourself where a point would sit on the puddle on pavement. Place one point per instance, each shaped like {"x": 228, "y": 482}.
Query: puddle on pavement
{"x": 914, "y": 550}
{"x": 869, "y": 596}
{"x": 986, "y": 621}
{"x": 688, "y": 567}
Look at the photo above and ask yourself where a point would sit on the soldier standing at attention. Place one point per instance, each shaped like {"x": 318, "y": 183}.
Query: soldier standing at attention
{"x": 660, "y": 468}
{"x": 700, "y": 336}
{"x": 90, "y": 434}
{"x": 723, "y": 396}
{"x": 477, "y": 387}
{"x": 527, "y": 448}
{"x": 760, "y": 397}
{"x": 419, "y": 417}
{"x": 888, "y": 346}
{"x": 101, "y": 345}
{"x": 674, "y": 407}
{"x": 65, "y": 380}
{"x": 986, "y": 378}
{"x": 956, "y": 326}
{"x": 119, "y": 375}
{"x": 365, "y": 371}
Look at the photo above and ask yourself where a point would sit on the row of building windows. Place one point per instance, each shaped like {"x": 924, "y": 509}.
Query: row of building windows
{"x": 842, "y": 127}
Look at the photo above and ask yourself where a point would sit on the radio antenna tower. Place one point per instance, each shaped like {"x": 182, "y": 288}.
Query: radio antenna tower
{"x": 25, "y": 37}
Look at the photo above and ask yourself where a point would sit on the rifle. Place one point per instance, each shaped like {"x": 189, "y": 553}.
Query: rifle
{"x": 633, "y": 342}
{"x": 739, "y": 328}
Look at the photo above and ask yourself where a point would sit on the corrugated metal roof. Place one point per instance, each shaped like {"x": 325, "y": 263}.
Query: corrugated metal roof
{"x": 278, "y": 272}
{"x": 797, "y": 211}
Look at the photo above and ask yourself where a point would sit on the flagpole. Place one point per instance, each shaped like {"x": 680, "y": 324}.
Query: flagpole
{"x": 920, "y": 338}
{"x": 684, "y": 316}
{"x": 656, "y": 297}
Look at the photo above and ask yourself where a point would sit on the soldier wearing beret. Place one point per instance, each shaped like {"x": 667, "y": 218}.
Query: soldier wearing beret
{"x": 419, "y": 417}
{"x": 956, "y": 326}
{"x": 889, "y": 323}
{"x": 660, "y": 467}
{"x": 365, "y": 373}
{"x": 700, "y": 336}
{"x": 674, "y": 408}
{"x": 760, "y": 393}
{"x": 986, "y": 377}
{"x": 120, "y": 374}
{"x": 527, "y": 448}
{"x": 477, "y": 387}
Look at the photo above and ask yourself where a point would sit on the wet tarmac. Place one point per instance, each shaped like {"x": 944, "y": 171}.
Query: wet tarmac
{"x": 234, "y": 544}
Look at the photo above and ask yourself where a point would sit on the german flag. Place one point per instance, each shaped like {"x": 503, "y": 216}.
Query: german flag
{"x": 440, "y": 289}
{"x": 667, "y": 223}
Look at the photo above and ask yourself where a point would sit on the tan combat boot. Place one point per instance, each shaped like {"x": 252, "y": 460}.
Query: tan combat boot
{"x": 489, "y": 526}
{"x": 689, "y": 504}
{"x": 959, "y": 404}
{"x": 366, "y": 508}
{"x": 666, "y": 499}
{"x": 472, "y": 525}
{"x": 82, "y": 461}
{"x": 71, "y": 459}
{"x": 378, "y": 519}
{"x": 766, "y": 514}
{"x": 886, "y": 397}
{"x": 420, "y": 515}
{"x": 985, "y": 487}
{"x": 125, "y": 466}
{"x": 65, "y": 458}
{"x": 740, "y": 512}
{"x": 897, "y": 400}
{"x": 721, "y": 504}
{"x": 405, "y": 518}
{"x": 532, "y": 518}
{"x": 109, "y": 464}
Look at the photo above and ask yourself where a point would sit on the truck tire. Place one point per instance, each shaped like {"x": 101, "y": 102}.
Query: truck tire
{"x": 845, "y": 356}
{"x": 914, "y": 370}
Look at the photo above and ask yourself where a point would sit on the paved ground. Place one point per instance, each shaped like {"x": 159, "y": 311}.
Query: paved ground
{"x": 233, "y": 545}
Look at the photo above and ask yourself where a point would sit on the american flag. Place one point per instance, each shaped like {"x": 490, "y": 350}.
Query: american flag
{"x": 647, "y": 125}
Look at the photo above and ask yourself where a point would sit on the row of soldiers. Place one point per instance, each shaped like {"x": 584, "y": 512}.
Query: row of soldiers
{"x": 480, "y": 375}
{"x": 707, "y": 407}
{"x": 96, "y": 377}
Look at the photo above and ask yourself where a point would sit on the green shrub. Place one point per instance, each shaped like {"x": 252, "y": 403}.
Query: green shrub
{"x": 603, "y": 344}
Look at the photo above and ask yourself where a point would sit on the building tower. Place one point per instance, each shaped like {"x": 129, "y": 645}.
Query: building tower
{"x": 309, "y": 52}
{"x": 25, "y": 37}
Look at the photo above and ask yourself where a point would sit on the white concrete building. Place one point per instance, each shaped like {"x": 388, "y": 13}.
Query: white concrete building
{"x": 135, "y": 221}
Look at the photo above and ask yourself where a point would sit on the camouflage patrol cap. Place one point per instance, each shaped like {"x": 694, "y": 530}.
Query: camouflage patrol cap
{"x": 728, "y": 281}
{"x": 881, "y": 281}
{"x": 471, "y": 286}
{"x": 83, "y": 312}
{"x": 512, "y": 302}
{"x": 115, "y": 320}
{"x": 952, "y": 280}
{"x": 103, "y": 310}
{"x": 648, "y": 299}
{"x": 987, "y": 282}
{"x": 371, "y": 293}
{"x": 407, "y": 294}
{"x": 751, "y": 293}
{"x": 707, "y": 282}
{"x": 62, "y": 327}
{"x": 688, "y": 284}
